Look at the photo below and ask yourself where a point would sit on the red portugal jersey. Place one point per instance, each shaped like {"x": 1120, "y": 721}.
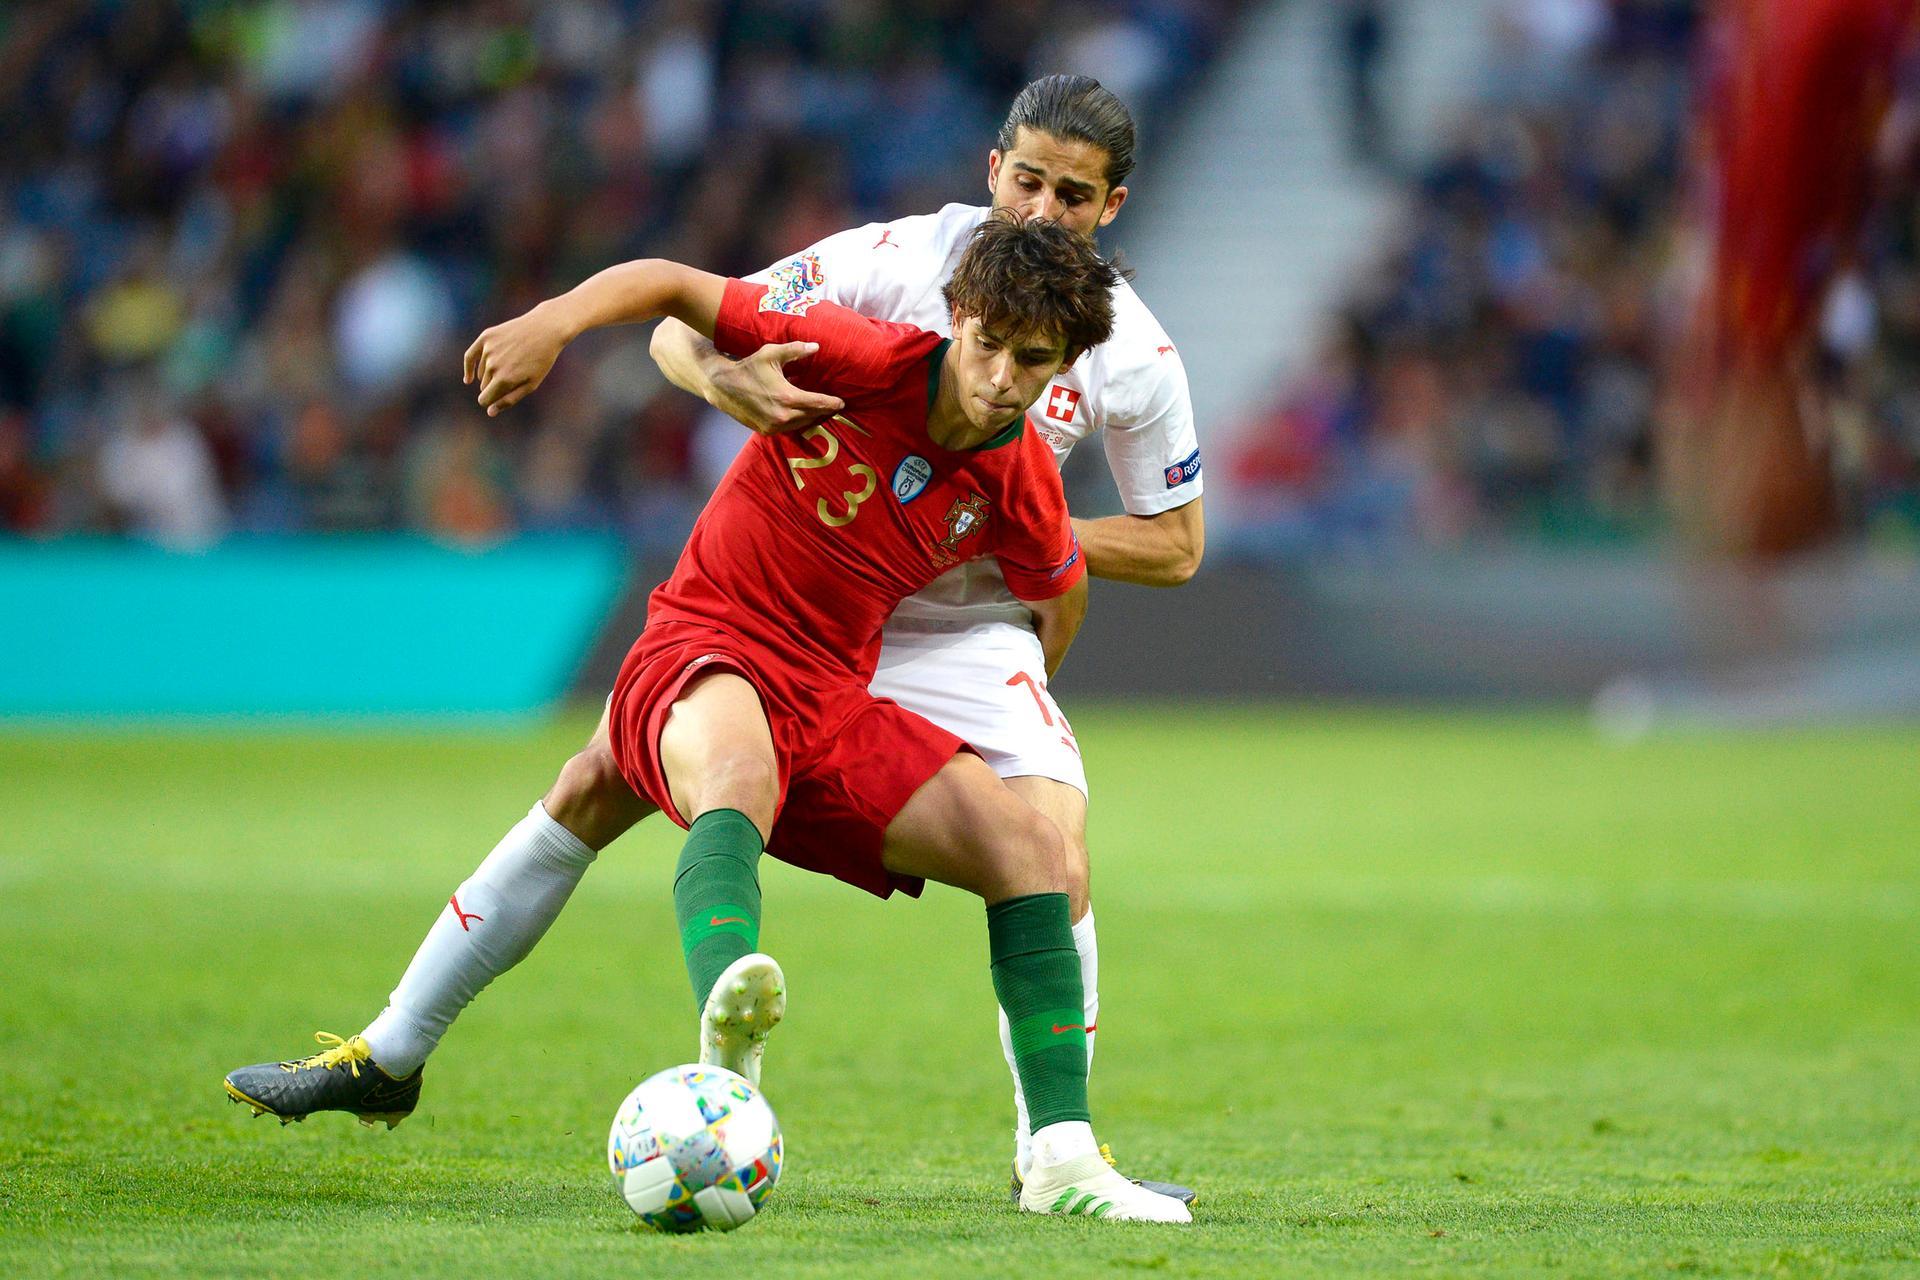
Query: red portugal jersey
{"x": 813, "y": 537}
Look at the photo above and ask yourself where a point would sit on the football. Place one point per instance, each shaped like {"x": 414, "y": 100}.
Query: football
{"x": 694, "y": 1147}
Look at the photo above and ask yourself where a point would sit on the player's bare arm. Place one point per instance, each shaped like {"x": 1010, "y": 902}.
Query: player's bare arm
{"x": 511, "y": 360}
{"x": 1057, "y": 622}
{"x": 1160, "y": 550}
{"x": 753, "y": 391}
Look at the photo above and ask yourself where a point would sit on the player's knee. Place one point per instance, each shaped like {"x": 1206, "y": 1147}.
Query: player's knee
{"x": 1078, "y": 874}
{"x": 1065, "y": 807}
{"x": 588, "y": 779}
{"x": 1025, "y": 854}
{"x": 592, "y": 800}
{"x": 748, "y": 781}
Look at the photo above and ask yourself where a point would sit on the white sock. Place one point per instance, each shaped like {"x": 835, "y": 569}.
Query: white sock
{"x": 1089, "y": 949}
{"x": 488, "y": 926}
{"x": 1062, "y": 1141}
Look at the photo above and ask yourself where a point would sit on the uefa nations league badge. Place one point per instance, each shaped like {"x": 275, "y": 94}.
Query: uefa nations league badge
{"x": 910, "y": 477}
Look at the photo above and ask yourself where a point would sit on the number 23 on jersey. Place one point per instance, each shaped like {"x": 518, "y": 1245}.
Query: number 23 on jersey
{"x": 852, "y": 498}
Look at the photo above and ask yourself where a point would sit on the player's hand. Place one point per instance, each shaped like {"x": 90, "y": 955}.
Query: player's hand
{"x": 755, "y": 392}
{"x": 511, "y": 360}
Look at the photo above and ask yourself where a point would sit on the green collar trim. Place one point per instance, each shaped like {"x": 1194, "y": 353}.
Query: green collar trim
{"x": 934, "y": 363}
{"x": 1008, "y": 436}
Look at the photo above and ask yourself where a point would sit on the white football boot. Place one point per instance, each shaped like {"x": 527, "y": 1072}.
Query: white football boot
{"x": 1083, "y": 1183}
{"x": 746, "y": 1004}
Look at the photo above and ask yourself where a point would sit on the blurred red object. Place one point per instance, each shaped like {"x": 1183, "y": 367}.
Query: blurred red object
{"x": 1797, "y": 91}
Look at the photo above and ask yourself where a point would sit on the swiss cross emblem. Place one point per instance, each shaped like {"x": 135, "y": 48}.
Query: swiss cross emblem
{"x": 1062, "y": 402}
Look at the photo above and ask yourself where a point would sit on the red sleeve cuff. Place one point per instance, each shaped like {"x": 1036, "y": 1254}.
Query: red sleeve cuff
{"x": 736, "y": 328}
{"x": 1027, "y": 585}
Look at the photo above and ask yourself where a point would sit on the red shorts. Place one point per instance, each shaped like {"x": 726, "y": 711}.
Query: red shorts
{"x": 848, "y": 761}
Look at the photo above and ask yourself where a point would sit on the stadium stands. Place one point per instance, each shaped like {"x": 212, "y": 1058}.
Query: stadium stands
{"x": 1494, "y": 375}
{"x": 243, "y": 244}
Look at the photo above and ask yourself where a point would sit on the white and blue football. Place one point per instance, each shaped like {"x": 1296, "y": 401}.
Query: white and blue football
{"x": 695, "y": 1147}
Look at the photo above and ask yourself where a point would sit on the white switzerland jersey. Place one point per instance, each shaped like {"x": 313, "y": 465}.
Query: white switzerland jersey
{"x": 1132, "y": 388}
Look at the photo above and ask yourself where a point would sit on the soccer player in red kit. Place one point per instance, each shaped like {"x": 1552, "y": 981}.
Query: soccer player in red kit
{"x": 742, "y": 711}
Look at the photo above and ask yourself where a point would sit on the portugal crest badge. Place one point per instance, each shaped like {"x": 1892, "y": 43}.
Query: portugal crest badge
{"x": 964, "y": 519}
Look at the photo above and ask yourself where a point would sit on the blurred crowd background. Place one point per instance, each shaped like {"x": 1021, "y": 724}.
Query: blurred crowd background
{"x": 243, "y": 244}
{"x": 1496, "y": 374}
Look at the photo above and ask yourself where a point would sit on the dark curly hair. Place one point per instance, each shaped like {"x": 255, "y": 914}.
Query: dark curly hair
{"x": 1078, "y": 109}
{"x": 1023, "y": 277}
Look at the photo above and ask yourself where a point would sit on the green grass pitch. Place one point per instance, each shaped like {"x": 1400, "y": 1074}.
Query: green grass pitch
{"x": 1453, "y": 994}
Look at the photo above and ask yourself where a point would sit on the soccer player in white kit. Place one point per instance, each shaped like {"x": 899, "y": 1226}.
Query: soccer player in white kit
{"x": 963, "y": 653}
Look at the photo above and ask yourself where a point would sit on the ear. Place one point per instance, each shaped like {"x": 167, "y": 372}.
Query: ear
{"x": 1115, "y": 198}
{"x": 993, "y": 172}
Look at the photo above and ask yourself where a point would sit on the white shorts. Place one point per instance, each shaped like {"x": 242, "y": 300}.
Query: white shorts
{"x": 988, "y": 684}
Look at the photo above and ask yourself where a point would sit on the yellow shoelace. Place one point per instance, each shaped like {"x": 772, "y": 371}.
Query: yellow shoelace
{"x": 352, "y": 1052}
{"x": 1106, "y": 1153}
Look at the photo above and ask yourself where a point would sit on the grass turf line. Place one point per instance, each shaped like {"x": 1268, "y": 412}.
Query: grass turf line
{"x": 1467, "y": 995}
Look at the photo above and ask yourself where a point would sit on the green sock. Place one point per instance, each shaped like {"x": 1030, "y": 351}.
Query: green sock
{"x": 1036, "y": 974}
{"x": 716, "y": 895}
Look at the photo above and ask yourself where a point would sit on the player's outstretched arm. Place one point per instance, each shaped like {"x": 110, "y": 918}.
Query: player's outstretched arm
{"x": 1057, "y": 622}
{"x": 1160, "y": 550}
{"x": 753, "y": 391}
{"x": 511, "y": 360}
